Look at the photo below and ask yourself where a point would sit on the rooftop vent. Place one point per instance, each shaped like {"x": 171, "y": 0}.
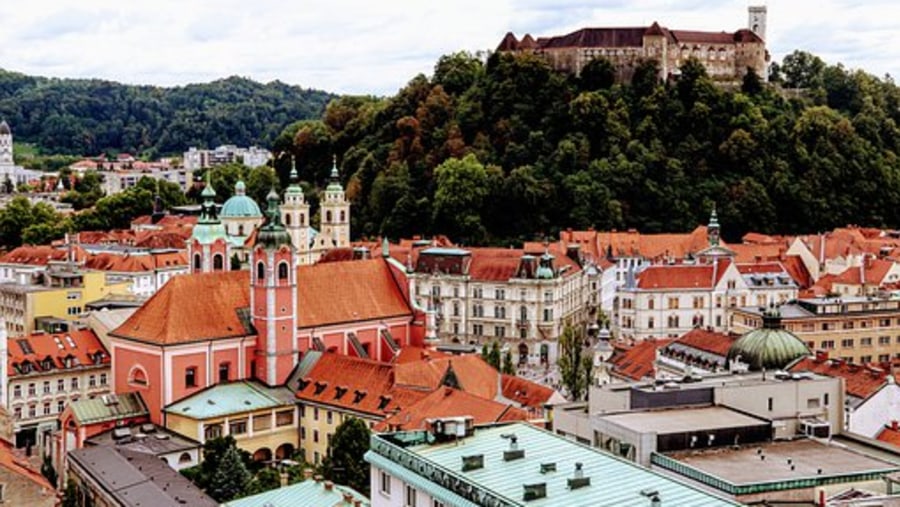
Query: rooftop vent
{"x": 548, "y": 467}
{"x": 513, "y": 453}
{"x": 535, "y": 491}
{"x": 579, "y": 480}
{"x": 473, "y": 462}
{"x": 121, "y": 433}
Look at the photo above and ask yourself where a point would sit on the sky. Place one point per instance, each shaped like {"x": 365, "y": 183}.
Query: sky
{"x": 377, "y": 46}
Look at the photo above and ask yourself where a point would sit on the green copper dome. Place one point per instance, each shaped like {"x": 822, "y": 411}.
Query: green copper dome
{"x": 294, "y": 188}
{"x": 273, "y": 234}
{"x": 239, "y": 205}
{"x": 771, "y": 347}
{"x": 209, "y": 228}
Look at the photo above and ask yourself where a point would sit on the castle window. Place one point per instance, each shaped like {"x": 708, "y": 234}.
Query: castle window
{"x": 197, "y": 262}
{"x": 283, "y": 271}
{"x": 218, "y": 262}
{"x": 260, "y": 272}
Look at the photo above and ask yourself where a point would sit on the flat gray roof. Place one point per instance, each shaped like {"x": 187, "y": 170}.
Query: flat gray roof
{"x": 745, "y": 466}
{"x": 157, "y": 441}
{"x": 682, "y": 420}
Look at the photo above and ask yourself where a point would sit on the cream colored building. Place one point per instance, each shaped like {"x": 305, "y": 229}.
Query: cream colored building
{"x": 262, "y": 420}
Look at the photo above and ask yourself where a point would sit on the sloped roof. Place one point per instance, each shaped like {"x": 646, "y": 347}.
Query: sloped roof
{"x": 890, "y": 435}
{"x": 707, "y": 341}
{"x": 192, "y": 307}
{"x": 638, "y": 361}
{"x": 450, "y": 402}
{"x": 311, "y": 492}
{"x": 473, "y": 374}
{"x": 81, "y": 344}
{"x": 125, "y": 263}
{"x": 597, "y": 37}
{"x": 231, "y": 398}
{"x": 525, "y": 392}
{"x": 795, "y": 267}
{"x": 337, "y": 292}
{"x": 108, "y": 408}
{"x": 860, "y": 381}
{"x": 20, "y": 467}
{"x": 681, "y": 276}
{"x": 37, "y": 255}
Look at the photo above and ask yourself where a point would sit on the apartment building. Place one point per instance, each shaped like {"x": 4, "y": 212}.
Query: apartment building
{"x": 860, "y": 329}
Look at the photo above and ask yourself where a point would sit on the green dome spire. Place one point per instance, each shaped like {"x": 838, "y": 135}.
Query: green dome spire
{"x": 240, "y": 205}
{"x": 273, "y": 234}
{"x": 294, "y": 188}
{"x": 209, "y": 228}
{"x": 334, "y": 184}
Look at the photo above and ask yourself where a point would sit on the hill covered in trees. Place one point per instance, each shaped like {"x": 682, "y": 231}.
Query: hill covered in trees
{"x": 508, "y": 149}
{"x": 86, "y": 117}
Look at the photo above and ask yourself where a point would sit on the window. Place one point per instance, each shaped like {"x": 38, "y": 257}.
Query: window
{"x": 212, "y": 431}
{"x": 884, "y": 340}
{"x": 456, "y": 308}
{"x": 137, "y": 376}
{"x": 283, "y": 271}
{"x": 651, "y": 303}
{"x": 825, "y": 399}
{"x": 60, "y": 386}
{"x": 385, "y": 483}
{"x": 477, "y": 329}
{"x": 60, "y": 406}
{"x": 190, "y": 376}
{"x": 865, "y": 342}
{"x": 771, "y": 404}
{"x": 31, "y": 391}
{"x": 650, "y": 323}
{"x": 500, "y": 331}
{"x": 409, "y": 498}
{"x": 477, "y": 293}
{"x": 260, "y": 272}
{"x": 17, "y": 412}
{"x": 548, "y": 297}
{"x": 17, "y": 391}
{"x": 673, "y": 320}
{"x": 812, "y": 403}
{"x": 847, "y": 343}
{"x": 437, "y": 503}
{"x": 46, "y": 387}
{"x": 302, "y": 433}
{"x": 218, "y": 263}
{"x": 827, "y": 344}
{"x": 74, "y": 383}
{"x": 47, "y": 408}
{"x": 197, "y": 262}
{"x": 237, "y": 427}
{"x": 315, "y": 413}
{"x": 328, "y": 416}
{"x": 673, "y": 303}
{"x": 548, "y": 314}
{"x": 500, "y": 294}
{"x": 32, "y": 411}
{"x": 865, "y": 359}
{"x": 184, "y": 458}
{"x": 223, "y": 371}
{"x": 92, "y": 381}
{"x": 102, "y": 379}
{"x": 316, "y": 436}
{"x": 499, "y": 312}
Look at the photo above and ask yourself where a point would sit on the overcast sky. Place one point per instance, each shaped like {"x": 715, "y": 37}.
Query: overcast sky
{"x": 376, "y": 46}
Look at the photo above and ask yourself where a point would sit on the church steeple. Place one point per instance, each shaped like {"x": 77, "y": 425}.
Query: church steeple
{"x": 335, "y": 213}
{"x": 208, "y": 247}
{"x": 712, "y": 230}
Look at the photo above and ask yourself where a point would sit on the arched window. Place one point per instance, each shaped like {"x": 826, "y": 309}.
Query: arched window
{"x": 287, "y": 219}
{"x": 328, "y": 216}
{"x": 218, "y": 262}
{"x": 342, "y": 217}
{"x": 197, "y": 261}
{"x": 137, "y": 376}
{"x": 260, "y": 272}
{"x": 240, "y": 230}
{"x": 283, "y": 271}
{"x": 184, "y": 458}
{"x": 302, "y": 219}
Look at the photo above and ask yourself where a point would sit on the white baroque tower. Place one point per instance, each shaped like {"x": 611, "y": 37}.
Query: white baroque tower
{"x": 295, "y": 217}
{"x": 6, "y": 145}
{"x": 335, "y": 215}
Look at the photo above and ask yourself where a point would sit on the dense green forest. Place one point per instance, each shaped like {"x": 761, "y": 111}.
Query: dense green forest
{"x": 87, "y": 117}
{"x": 507, "y": 150}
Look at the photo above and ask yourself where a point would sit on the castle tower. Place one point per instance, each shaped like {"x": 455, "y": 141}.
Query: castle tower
{"x": 335, "y": 214}
{"x": 295, "y": 216}
{"x": 208, "y": 247}
{"x": 273, "y": 298}
{"x": 757, "y": 20}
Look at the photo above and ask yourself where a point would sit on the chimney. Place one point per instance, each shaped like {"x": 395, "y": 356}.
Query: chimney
{"x": 329, "y": 485}
{"x": 579, "y": 480}
{"x": 821, "y": 356}
{"x": 513, "y": 453}
{"x": 348, "y": 498}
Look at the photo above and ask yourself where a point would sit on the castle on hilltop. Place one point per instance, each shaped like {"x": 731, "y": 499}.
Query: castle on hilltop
{"x": 726, "y": 55}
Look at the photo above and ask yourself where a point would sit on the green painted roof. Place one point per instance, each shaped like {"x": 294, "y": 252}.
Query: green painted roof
{"x": 613, "y": 481}
{"x": 309, "y": 493}
{"x": 208, "y": 233}
{"x": 108, "y": 408}
{"x": 231, "y": 398}
{"x": 239, "y": 205}
{"x": 771, "y": 347}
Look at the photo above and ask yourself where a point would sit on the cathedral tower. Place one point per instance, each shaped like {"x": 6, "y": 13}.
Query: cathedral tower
{"x": 208, "y": 246}
{"x": 273, "y": 298}
{"x": 335, "y": 214}
{"x": 295, "y": 216}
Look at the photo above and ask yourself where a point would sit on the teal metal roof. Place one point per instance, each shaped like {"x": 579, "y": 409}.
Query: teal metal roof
{"x": 231, "y": 398}
{"x": 208, "y": 233}
{"x": 307, "y": 493}
{"x": 770, "y": 347}
{"x": 614, "y": 481}
{"x": 239, "y": 205}
{"x": 108, "y": 408}
{"x": 437, "y": 250}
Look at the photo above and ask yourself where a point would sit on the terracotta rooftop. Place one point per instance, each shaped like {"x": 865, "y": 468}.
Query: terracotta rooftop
{"x": 472, "y": 374}
{"x": 135, "y": 263}
{"x": 410, "y": 354}
{"x": 861, "y": 381}
{"x": 638, "y": 361}
{"x": 48, "y": 352}
{"x": 450, "y": 402}
{"x": 194, "y": 307}
{"x": 525, "y": 392}
{"x": 38, "y": 255}
{"x": 20, "y": 467}
{"x": 890, "y": 434}
{"x": 681, "y": 276}
{"x": 707, "y": 341}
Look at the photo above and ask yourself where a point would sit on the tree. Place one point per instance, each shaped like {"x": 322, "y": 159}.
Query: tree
{"x": 344, "y": 463}
{"x": 575, "y": 364}
{"x": 462, "y": 185}
{"x": 71, "y": 498}
{"x": 508, "y": 367}
{"x": 230, "y": 479}
{"x": 260, "y": 181}
{"x": 266, "y": 479}
{"x": 597, "y": 74}
{"x": 802, "y": 70}
{"x": 493, "y": 355}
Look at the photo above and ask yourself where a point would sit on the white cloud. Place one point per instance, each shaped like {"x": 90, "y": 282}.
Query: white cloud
{"x": 357, "y": 46}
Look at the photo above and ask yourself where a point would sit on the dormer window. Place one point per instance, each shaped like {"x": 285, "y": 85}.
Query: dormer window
{"x": 383, "y": 402}
{"x": 25, "y": 367}
{"x": 302, "y": 383}
{"x": 358, "y": 396}
{"x": 98, "y": 357}
{"x": 47, "y": 364}
{"x": 339, "y": 391}
{"x": 320, "y": 386}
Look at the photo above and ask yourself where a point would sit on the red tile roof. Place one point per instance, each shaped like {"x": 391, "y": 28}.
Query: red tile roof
{"x": 760, "y": 267}
{"x": 525, "y": 392}
{"x": 681, "y": 276}
{"x": 473, "y": 374}
{"x": 191, "y": 308}
{"x": 410, "y": 354}
{"x": 206, "y": 306}
{"x": 795, "y": 267}
{"x": 707, "y": 341}
{"x": 19, "y": 466}
{"x": 890, "y": 434}
{"x": 861, "y": 381}
{"x": 38, "y": 255}
{"x": 632, "y": 243}
{"x": 360, "y": 385}
{"x": 82, "y": 345}
{"x": 135, "y": 263}
{"x": 638, "y": 361}
{"x": 337, "y": 292}
{"x": 449, "y": 402}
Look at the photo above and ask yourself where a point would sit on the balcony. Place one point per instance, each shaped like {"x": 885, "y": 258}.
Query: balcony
{"x": 523, "y": 323}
